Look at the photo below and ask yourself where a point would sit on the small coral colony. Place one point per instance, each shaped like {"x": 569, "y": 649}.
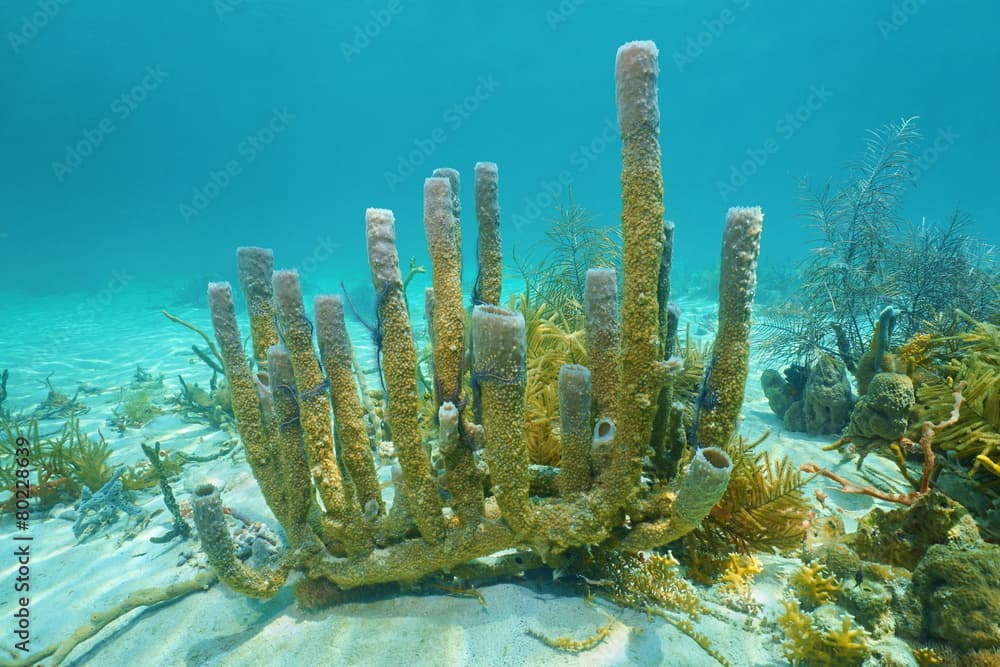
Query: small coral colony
{"x": 577, "y": 429}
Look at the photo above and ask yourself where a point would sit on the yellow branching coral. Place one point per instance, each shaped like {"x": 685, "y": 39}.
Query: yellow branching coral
{"x": 807, "y": 643}
{"x": 645, "y": 579}
{"x": 926, "y": 657}
{"x": 571, "y": 645}
{"x": 814, "y": 585}
{"x": 848, "y": 644}
{"x": 687, "y": 627}
{"x": 652, "y": 582}
{"x": 737, "y": 578}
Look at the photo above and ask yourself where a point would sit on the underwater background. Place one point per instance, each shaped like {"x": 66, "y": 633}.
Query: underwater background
{"x": 347, "y": 480}
{"x": 117, "y": 116}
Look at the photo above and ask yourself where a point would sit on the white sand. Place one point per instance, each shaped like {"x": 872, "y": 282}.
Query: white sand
{"x": 217, "y": 627}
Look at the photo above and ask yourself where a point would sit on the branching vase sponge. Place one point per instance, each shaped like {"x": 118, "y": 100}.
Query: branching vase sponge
{"x": 303, "y": 423}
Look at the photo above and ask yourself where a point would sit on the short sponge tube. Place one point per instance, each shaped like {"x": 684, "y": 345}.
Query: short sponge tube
{"x": 575, "y": 431}
{"x": 500, "y": 349}
{"x": 210, "y": 519}
{"x": 705, "y": 480}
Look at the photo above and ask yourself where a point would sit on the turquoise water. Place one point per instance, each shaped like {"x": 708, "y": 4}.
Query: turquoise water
{"x": 143, "y": 143}
{"x": 152, "y": 139}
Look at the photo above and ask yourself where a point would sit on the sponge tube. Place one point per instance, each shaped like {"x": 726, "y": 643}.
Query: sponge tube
{"x": 499, "y": 345}
{"x": 255, "y": 266}
{"x": 726, "y": 374}
{"x": 246, "y": 404}
{"x": 704, "y": 482}
{"x": 287, "y": 433}
{"x": 336, "y": 355}
{"x": 210, "y": 519}
{"x": 314, "y": 412}
{"x": 636, "y": 69}
{"x": 443, "y": 246}
{"x": 462, "y": 478}
{"x": 399, "y": 367}
{"x": 603, "y": 338}
{"x": 489, "y": 282}
{"x": 575, "y": 432}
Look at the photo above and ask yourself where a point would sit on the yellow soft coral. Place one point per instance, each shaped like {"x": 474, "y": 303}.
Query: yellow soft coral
{"x": 915, "y": 354}
{"x": 651, "y": 578}
{"x": 550, "y": 346}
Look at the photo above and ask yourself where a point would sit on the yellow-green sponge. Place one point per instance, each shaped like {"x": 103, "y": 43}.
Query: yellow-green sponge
{"x": 721, "y": 398}
{"x": 489, "y": 281}
{"x": 499, "y": 345}
{"x": 441, "y": 229}
{"x": 210, "y": 519}
{"x": 636, "y": 69}
{"x": 255, "y": 266}
{"x": 399, "y": 367}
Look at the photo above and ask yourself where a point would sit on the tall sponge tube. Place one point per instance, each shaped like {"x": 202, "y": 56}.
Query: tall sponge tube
{"x": 489, "y": 281}
{"x": 636, "y": 70}
{"x": 444, "y": 246}
{"x": 399, "y": 367}
{"x": 726, "y": 374}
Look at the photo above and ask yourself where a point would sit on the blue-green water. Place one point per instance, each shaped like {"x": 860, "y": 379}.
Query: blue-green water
{"x": 143, "y": 142}
{"x": 151, "y": 139}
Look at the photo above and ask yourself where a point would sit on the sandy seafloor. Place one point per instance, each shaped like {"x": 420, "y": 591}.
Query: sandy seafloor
{"x": 100, "y": 339}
